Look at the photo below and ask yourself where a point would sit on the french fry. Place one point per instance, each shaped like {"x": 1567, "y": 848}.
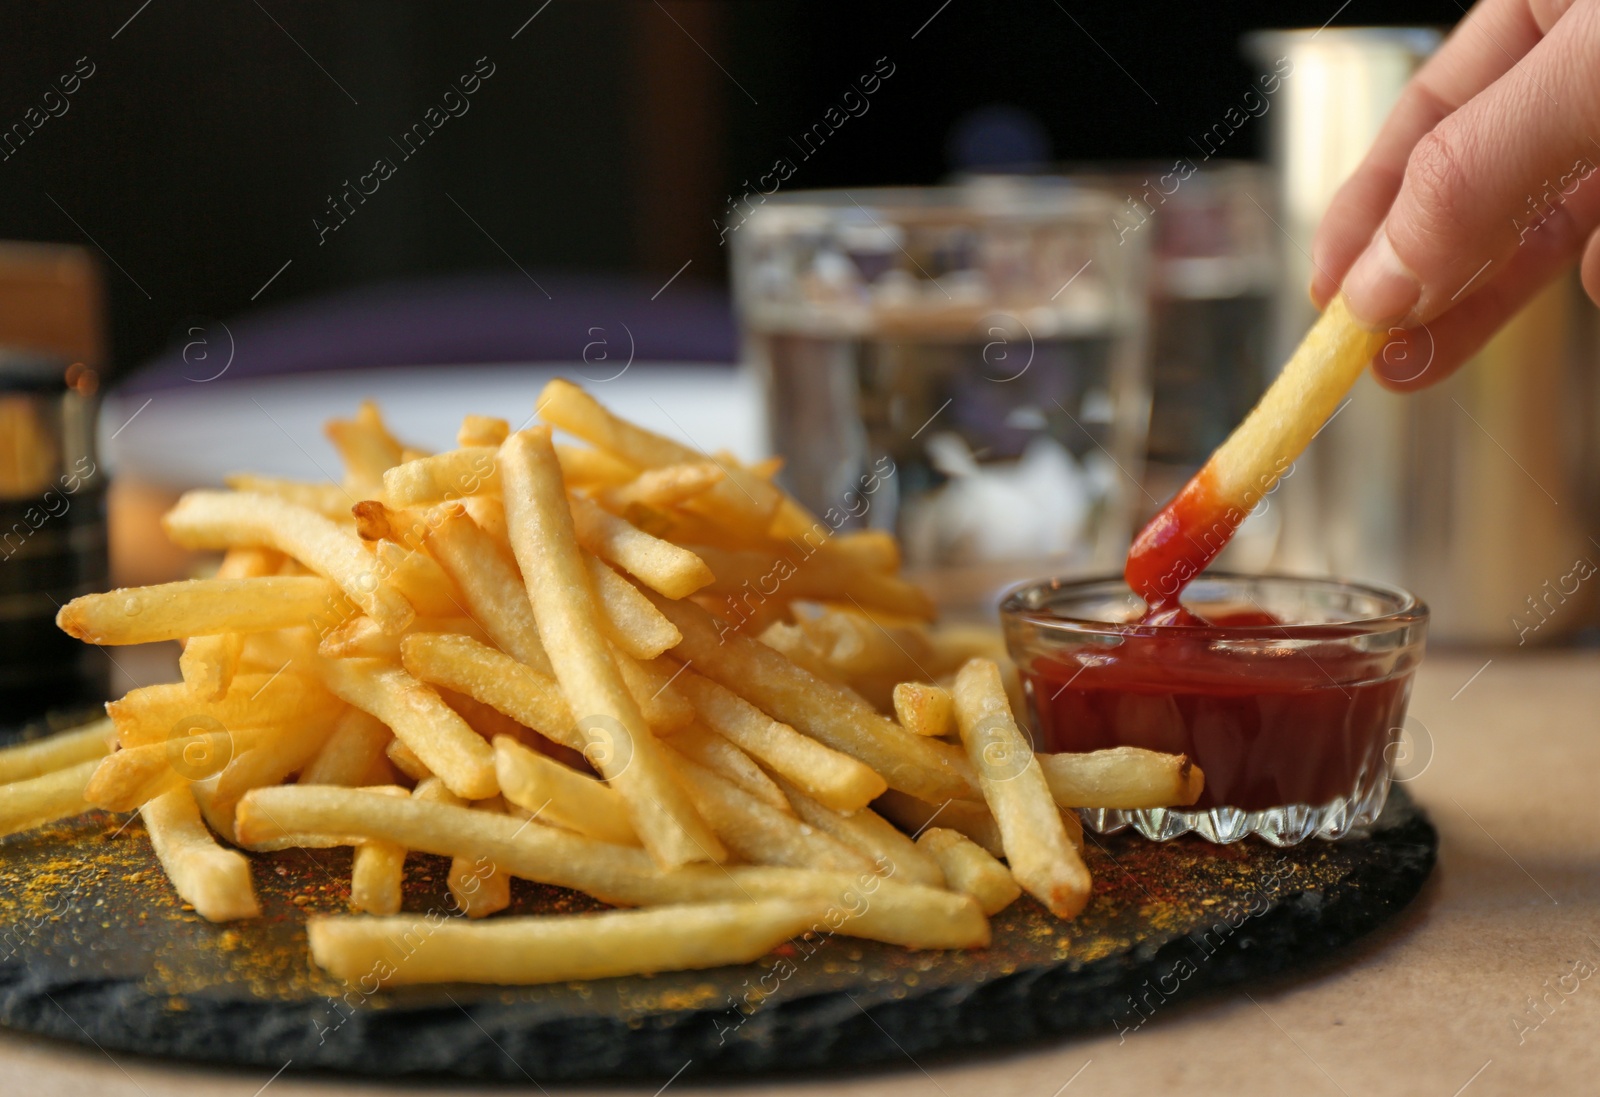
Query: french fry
{"x": 208, "y": 662}
{"x": 154, "y": 714}
{"x": 271, "y": 755}
{"x": 197, "y": 607}
{"x": 37, "y": 801}
{"x": 482, "y": 430}
{"x": 404, "y": 759}
{"x": 213, "y": 880}
{"x": 758, "y": 832}
{"x": 55, "y": 752}
{"x": 871, "y": 835}
{"x": 561, "y": 796}
{"x": 631, "y": 622}
{"x": 478, "y": 671}
{"x": 356, "y": 742}
{"x": 663, "y": 487}
{"x": 479, "y": 888}
{"x": 923, "y": 767}
{"x": 129, "y": 778}
{"x": 329, "y": 500}
{"x": 624, "y": 750}
{"x": 906, "y": 914}
{"x": 968, "y": 868}
{"x": 832, "y": 777}
{"x": 1042, "y": 858}
{"x": 420, "y": 580}
{"x": 377, "y": 874}
{"x": 442, "y": 477}
{"x": 360, "y": 637}
{"x": 582, "y": 467}
{"x": 651, "y": 686}
{"x": 1122, "y": 777}
{"x": 963, "y": 816}
{"x": 557, "y": 948}
{"x": 924, "y": 709}
{"x": 1186, "y": 535}
{"x": 704, "y": 746}
{"x": 219, "y": 520}
{"x": 367, "y": 447}
{"x": 660, "y": 565}
{"x": 420, "y": 719}
{"x": 490, "y": 584}
{"x": 818, "y": 577}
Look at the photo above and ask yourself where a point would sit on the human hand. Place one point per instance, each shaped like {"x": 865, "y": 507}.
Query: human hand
{"x": 1479, "y": 189}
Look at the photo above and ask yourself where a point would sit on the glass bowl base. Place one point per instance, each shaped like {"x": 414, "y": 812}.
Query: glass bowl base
{"x": 1281, "y": 826}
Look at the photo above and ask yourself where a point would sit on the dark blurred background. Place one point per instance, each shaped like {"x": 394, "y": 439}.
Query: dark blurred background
{"x": 202, "y": 153}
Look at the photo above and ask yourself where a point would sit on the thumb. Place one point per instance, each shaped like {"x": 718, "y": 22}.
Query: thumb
{"x": 1513, "y": 161}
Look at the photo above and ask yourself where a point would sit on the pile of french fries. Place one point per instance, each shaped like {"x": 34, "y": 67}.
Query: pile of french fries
{"x": 623, "y": 667}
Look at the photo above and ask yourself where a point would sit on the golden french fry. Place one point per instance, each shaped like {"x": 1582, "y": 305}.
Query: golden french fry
{"x": 1122, "y": 777}
{"x": 561, "y": 796}
{"x": 268, "y": 756}
{"x": 651, "y": 686}
{"x": 660, "y": 565}
{"x": 91, "y": 742}
{"x": 129, "y": 778}
{"x": 625, "y": 752}
{"x": 1189, "y": 531}
{"x": 216, "y": 520}
{"x": 420, "y": 580}
{"x": 663, "y": 487}
{"x": 420, "y": 719}
{"x": 377, "y": 874}
{"x": 631, "y": 622}
{"x": 758, "y": 832}
{"x": 36, "y": 801}
{"x": 482, "y": 430}
{"x": 356, "y": 742}
{"x": 968, "y": 868}
{"x": 928, "y": 768}
{"x": 479, "y": 888}
{"x": 213, "y": 880}
{"x": 360, "y": 637}
{"x": 1042, "y": 857}
{"x": 869, "y": 907}
{"x": 155, "y": 714}
{"x": 924, "y": 709}
{"x": 871, "y": 835}
{"x": 490, "y": 584}
{"x": 700, "y": 744}
{"x": 555, "y": 948}
{"x": 582, "y": 467}
{"x": 329, "y": 500}
{"x": 832, "y": 777}
{"x": 478, "y": 671}
{"x": 966, "y": 817}
{"x": 198, "y": 607}
{"x": 208, "y": 663}
{"x": 442, "y": 477}
{"x": 367, "y": 447}
{"x": 404, "y": 759}
{"x": 792, "y": 574}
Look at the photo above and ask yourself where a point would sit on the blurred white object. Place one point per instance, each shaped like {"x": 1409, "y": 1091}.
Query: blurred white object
{"x": 1036, "y": 506}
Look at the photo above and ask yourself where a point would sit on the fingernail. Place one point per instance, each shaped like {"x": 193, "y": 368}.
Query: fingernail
{"x": 1379, "y": 289}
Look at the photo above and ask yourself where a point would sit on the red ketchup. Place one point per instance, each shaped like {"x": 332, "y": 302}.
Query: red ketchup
{"x": 1295, "y": 729}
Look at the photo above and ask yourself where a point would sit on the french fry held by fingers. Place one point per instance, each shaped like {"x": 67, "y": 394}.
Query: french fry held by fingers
{"x": 622, "y": 747}
{"x": 1128, "y": 778}
{"x": 1186, "y": 535}
{"x": 1042, "y": 857}
{"x": 557, "y": 948}
{"x": 219, "y": 520}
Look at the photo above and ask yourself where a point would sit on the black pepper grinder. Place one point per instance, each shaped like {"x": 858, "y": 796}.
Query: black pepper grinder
{"x": 53, "y": 544}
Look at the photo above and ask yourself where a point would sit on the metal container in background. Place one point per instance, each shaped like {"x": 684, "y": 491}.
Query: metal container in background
{"x": 1477, "y": 493}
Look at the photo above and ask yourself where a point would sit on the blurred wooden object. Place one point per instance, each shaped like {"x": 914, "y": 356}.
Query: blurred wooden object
{"x": 52, "y": 300}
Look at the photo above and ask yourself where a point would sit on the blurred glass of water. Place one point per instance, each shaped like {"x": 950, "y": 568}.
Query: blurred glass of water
{"x": 962, "y": 365}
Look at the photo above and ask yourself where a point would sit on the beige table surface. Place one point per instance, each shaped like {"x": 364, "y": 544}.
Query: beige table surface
{"x": 1429, "y": 1006}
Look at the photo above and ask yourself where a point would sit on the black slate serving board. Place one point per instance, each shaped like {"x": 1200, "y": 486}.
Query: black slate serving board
{"x": 95, "y": 946}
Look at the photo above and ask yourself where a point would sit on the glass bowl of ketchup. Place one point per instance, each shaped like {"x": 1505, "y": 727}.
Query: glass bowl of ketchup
{"x": 1288, "y": 693}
